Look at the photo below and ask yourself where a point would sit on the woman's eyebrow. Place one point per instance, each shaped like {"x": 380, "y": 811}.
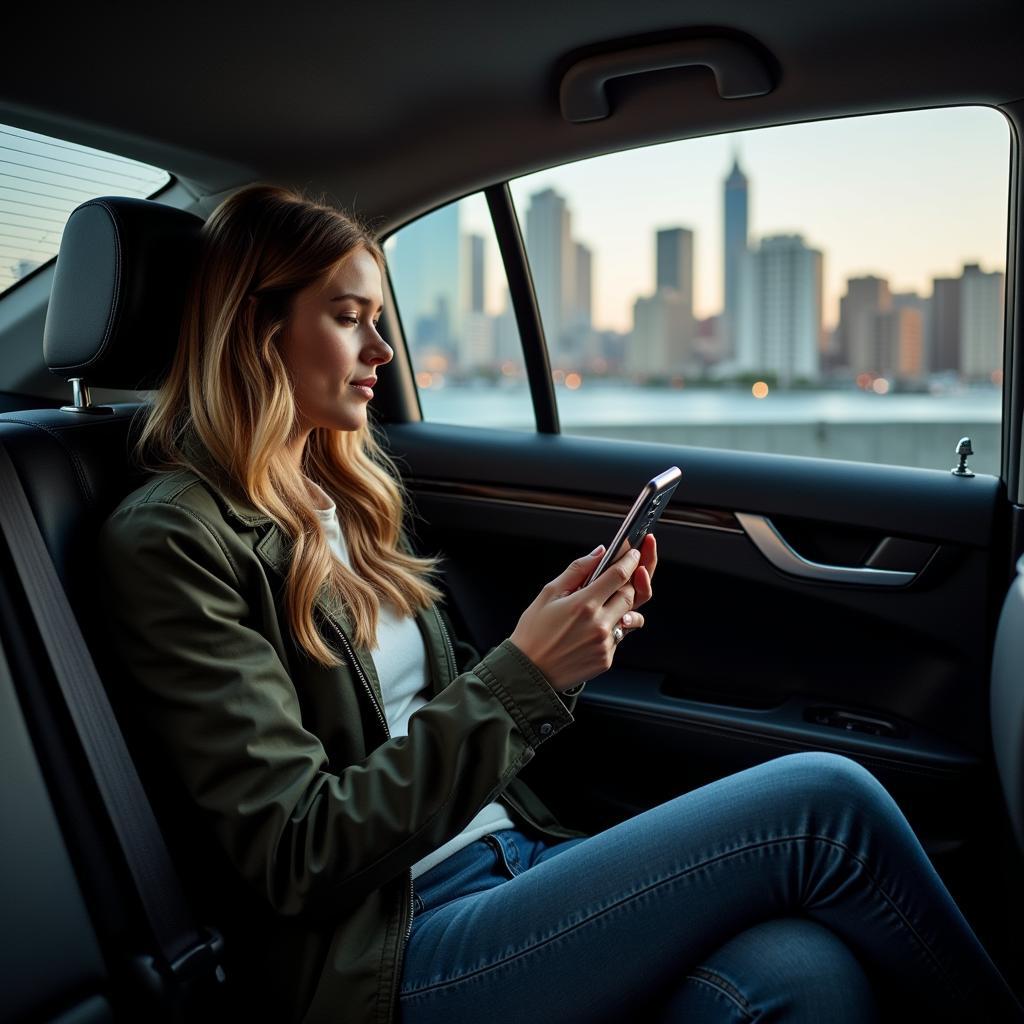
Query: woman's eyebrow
{"x": 361, "y": 299}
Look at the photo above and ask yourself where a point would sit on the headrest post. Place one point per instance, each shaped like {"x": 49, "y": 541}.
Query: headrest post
{"x": 83, "y": 400}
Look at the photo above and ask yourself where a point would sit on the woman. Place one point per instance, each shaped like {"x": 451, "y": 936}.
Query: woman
{"x": 355, "y": 803}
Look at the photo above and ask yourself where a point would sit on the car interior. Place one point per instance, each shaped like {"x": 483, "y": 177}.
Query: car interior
{"x": 750, "y": 649}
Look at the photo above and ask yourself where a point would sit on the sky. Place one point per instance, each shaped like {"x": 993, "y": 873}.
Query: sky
{"x": 905, "y": 196}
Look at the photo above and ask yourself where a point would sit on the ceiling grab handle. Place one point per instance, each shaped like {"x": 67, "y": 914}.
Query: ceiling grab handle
{"x": 767, "y": 539}
{"x": 739, "y": 72}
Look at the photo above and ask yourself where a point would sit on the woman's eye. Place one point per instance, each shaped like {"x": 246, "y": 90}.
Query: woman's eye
{"x": 354, "y": 321}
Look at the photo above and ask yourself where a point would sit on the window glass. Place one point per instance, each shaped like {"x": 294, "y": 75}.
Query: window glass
{"x": 830, "y": 289}
{"x": 42, "y": 180}
{"x": 453, "y": 301}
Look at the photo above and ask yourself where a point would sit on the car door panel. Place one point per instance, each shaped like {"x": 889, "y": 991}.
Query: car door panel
{"x": 738, "y": 662}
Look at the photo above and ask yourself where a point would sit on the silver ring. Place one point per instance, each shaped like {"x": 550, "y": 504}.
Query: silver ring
{"x": 617, "y": 634}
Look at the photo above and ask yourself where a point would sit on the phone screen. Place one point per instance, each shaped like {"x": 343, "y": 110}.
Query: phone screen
{"x": 640, "y": 519}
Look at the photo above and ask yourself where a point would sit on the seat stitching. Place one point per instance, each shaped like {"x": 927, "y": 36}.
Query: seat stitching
{"x": 83, "y": 483}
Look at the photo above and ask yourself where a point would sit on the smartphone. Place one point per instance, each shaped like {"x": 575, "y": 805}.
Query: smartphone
{"x": 640, "y": 519}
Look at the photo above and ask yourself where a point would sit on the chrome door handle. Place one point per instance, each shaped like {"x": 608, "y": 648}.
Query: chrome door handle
{"x": 767, "y": 539}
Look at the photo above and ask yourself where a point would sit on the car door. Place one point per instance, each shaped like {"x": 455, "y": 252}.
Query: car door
{"x": 800, "y": 602}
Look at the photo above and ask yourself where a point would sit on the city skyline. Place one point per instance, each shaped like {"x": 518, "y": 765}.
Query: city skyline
{"x": 772, "y": 323}
{"x": 883, "y": 194}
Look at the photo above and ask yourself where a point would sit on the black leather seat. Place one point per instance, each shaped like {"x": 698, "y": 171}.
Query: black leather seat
{"x": 113, "y": 320}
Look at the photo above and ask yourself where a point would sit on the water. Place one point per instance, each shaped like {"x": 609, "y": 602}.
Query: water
{"x": 898, "y": 429}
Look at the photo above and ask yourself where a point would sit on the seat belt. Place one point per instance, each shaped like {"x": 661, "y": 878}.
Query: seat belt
{"x": 187, "y": 956}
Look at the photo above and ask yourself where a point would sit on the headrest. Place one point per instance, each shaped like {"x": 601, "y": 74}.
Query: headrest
{"x": 119, "y": 291}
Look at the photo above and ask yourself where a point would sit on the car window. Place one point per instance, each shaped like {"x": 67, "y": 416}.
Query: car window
{"x": 453, "y": 301}
{"x": 42, "y": 179}
{"x": 831, "y": 289}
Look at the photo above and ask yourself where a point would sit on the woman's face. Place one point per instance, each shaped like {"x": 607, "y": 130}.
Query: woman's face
{"x": 331, "y": 347}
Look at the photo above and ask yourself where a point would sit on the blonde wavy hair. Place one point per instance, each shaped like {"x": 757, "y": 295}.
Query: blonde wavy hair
{"x": 227, "y": 399}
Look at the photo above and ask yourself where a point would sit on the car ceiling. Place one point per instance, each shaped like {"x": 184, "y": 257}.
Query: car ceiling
{"x": 394, "y": 107}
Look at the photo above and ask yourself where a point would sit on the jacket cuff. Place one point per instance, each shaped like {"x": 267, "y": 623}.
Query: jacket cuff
{"x": 525, "y": 693}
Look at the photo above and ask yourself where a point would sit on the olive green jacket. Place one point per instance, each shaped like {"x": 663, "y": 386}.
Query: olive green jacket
{"x": 289, "y": 765}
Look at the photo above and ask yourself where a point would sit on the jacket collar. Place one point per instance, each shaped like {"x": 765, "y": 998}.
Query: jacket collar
{"x": 233, "y": 503}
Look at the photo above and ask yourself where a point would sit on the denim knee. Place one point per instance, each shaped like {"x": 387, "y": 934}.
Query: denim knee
{"x": 785, "y": 968}
{"x": 834, "y": 777}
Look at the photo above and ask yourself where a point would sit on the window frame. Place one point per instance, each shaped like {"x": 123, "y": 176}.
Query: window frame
{"x": 505, "y": 223}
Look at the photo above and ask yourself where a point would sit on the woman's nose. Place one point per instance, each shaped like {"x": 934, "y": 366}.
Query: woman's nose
{"x": 381, "y": 352}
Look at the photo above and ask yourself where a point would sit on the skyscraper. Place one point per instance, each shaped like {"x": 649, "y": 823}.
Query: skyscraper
{"x": 475, "y": 336}
{"x": 551, "y": 252}
{"x": 736, "y": 202}
{"x": 780, "y": 327}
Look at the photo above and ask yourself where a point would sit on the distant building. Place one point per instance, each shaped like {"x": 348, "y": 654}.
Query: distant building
{"x": 674, "y": 261}
{"x": 921, "y": 303}
{"x": 981, "y": 322}
{"x": 473, "y": 262}
{"x": 780, "y": 327}
{"x": 736, "y": 202}
{"x": 22, "y": 268}
{"x": 866, "y": 299}
{"x": 899, "y": 343}
{"x": 662, "y": 342}
{"x": 707, "y": 340}
{"x": 944, "y": 325}
{"x": 580, "y": 340}
{"x": 611, "y": 348}
{"x": 551, "y": 252}
{"x": 425, "y": 269}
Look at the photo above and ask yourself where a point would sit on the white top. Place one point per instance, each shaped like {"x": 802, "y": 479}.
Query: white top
{"x": 401, "y": 663}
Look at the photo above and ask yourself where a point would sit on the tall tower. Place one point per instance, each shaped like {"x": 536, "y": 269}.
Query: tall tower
{"x": 736, "y": 200}
{"x": 552, "y": 256}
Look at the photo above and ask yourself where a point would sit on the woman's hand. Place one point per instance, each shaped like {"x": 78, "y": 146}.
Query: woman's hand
{"x": 642, "y": 583}
{"x": 567, "y": 630}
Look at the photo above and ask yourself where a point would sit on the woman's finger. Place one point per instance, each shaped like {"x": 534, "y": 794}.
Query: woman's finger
{"x": 618, "y": 604}
{"x": 649, "y": 554}
{"x": 631, "y": 620}
{"x": 617, "y": 575}
{"x": 642, "y": 585}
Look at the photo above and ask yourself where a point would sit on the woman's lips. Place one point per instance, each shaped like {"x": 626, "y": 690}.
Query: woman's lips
{"x": 363, "y": 390}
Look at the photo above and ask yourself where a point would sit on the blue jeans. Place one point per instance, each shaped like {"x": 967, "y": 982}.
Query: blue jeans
{"x": 794, "y": 890}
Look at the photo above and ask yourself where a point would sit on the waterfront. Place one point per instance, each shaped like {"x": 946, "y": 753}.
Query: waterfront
{"x": 899, "y": 429}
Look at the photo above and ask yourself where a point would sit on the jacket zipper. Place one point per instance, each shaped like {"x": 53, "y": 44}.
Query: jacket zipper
{"x": 453, "y": 665}
{"x": 354, "y": 661}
